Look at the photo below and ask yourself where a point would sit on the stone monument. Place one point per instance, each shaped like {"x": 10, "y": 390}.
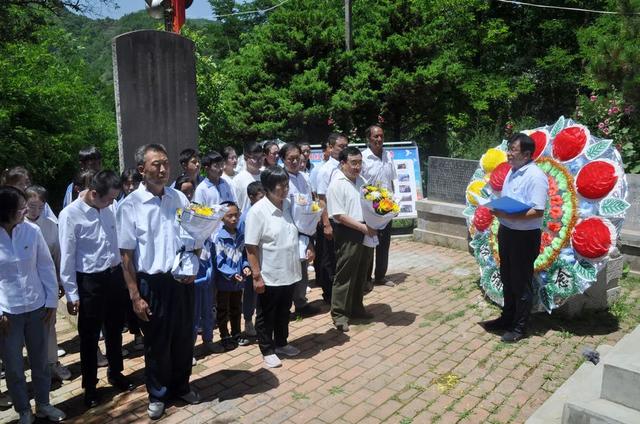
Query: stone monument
{"x": 155, "y": 92}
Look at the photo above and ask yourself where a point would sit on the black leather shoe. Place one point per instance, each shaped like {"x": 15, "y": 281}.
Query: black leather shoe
{"x": 307, "y": 311}
{"x": 121, "y": 382}
{"x": 90, "y": 398}
{"x": 498, "y": 324}
{"x": 512, "y": 336}
{"x": 343, "y": 327}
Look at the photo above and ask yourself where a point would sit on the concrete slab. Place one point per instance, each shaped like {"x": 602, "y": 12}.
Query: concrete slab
{"x": 599, "y": 411}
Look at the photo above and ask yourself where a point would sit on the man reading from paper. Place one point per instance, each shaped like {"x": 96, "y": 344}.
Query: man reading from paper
{"x": 519, "y": 237}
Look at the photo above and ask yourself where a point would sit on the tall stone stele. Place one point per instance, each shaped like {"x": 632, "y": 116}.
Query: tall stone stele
{"x": 154, "y": 77}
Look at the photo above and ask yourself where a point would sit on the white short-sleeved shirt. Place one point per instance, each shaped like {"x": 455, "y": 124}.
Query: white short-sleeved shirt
{"x": 343, "y": 196}
{"x": 48, "y": 225}
{"x": 530, "y": 186}
{"x": 229, "y": 178}
{"x": 241, "y": 182}
{"x": 299, "y": 184}
{"x": 148, "y": 225}
{"x": 379, "y": 171}
{"x": 209, "y": 194}
{"x": 324, "y": 175}
{"x": 27, "y": 275}
{"x": 313, "y": 177}
{"x": 88, "y": 242}
{"x": 276, "y": 236}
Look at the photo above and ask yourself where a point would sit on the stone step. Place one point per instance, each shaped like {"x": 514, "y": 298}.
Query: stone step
{"x": 621, "y": 373}
{"x": 583, "y": 384}
{"x": 598, "y": 411}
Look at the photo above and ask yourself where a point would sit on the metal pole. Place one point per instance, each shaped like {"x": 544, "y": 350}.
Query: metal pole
{"x": 347, "y": 25}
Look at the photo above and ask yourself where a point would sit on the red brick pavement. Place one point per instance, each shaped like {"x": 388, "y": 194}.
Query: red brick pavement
{"x": 424, "y": 332}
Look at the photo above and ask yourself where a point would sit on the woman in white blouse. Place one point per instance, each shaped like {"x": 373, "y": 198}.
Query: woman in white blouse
{"x": 271, "y": 240}
{"x": 28, "y": 301}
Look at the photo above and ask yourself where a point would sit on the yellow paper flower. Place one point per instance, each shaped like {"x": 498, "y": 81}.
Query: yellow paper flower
{"x": 474, "y": 188}
{"x": 492, "y": 158}
{"x": 315, "y": 207}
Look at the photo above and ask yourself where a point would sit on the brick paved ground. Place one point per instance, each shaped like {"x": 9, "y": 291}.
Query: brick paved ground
{"x": 422, "y": 359}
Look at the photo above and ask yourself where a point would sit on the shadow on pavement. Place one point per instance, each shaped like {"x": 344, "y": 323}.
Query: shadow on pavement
{"x": 230, "y": 384}
{"x": 383, "y": 313}
{"x": 312, "y": 344}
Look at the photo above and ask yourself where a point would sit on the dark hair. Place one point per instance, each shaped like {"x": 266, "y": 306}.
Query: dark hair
{"x": 303, "y": 143}
{"x": 254, "y": 188}
{"x": 333, "y": 137}
{"x": 183, "y": 179}
{"x": 11, "y": 176}
{"x": 272, "y": 176}
{"x": 103, "y": 181}
{"x": 9, "y": 202}
{"x": 142, "y": 151}
{"x": 37, "y": 191}
{"x": 132, "y": 173}
{"x": 82, "y": 179}
{"x": 285, "y": 149}
{"x": 323, "y": 145}
{"x": 526, "y": 143}
{"x": 251, "y": 147}
{"x": 349, "y": 151}
{"x": 267, "y": 145}
{"x": 186, "y": 155}
{"x": 89, "y": 153}
{"x": 229, "y": 203}
{"x": 211, "y": 158}
{"x": 369, "y": 130}
{"x": 226, "y": 152}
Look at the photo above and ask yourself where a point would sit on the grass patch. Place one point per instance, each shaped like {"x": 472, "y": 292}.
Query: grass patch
{"x": 432, "y": 316}
{"x": 406, "y": 420}
{"x": 416, "y": 386}
{"x": 299, "y": 396}
{"x": 464, "y": 414}
{"x": 433, "y": 281}
{"x": 452, "y": 316}
{"x": 565, "y": 334}
{"x": 336, "y": 390}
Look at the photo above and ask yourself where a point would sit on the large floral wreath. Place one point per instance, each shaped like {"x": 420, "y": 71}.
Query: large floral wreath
{"x": 585, "y": 211}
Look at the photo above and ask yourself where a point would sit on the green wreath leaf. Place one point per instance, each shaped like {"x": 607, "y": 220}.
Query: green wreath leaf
{"x": 585, "y": 270}
{"x": 613, "y": 207}
{"x": 597, "y": 149}
{"x": 557, "y": 127}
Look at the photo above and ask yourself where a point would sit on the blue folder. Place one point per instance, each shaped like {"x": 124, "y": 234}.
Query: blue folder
{"x": 508, "y": 205}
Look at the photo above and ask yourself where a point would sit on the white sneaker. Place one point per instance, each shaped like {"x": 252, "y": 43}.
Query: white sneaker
{"x": 5, "y": 400}
{"x": 249, "y": 329}
{"x": 102, "y": 361}
{"x": 288, "y": 350}
{"x": 26, "y": 417}
{"x": 138, "y": 342}
{"x": 272, "y": 361}
{"x": 193, "y": 361}
{"x": 49, "y": 412}
{"x": 308, "y": 290}
{"x": 155, "y": 410}
{"x": 61, "y": 352}
{"x": 60, "y": 372}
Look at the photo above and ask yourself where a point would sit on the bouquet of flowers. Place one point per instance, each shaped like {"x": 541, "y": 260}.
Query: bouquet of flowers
{"x": 306, "y": 214}
{"x": 378, "y": 209}
{"x": 197, "y": 224}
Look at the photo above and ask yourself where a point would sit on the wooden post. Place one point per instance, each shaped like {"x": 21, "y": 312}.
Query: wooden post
{"x": 347, "y": 25}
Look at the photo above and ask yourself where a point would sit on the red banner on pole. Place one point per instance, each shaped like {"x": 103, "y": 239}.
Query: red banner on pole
{"x": 179, "y": 14}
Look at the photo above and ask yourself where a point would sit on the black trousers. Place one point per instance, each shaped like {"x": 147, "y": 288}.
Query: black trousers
{"x": 168, "y": 335}
{"x": 131, "y": 319}
{"x": 327, "y": 262}
{"x": 229, "y": 311}
{"x": 103, "y": 298}
{"x": 382, "y": 255}
{"x": 272, "y": 320}
{"x": 518, "y": 251}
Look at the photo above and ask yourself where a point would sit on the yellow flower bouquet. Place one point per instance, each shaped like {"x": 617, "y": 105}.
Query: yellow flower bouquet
{"x": 378, "y": 209}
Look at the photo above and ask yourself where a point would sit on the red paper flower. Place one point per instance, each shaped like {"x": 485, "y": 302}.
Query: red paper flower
{"x": 482, "y": 218}
{"x": 591, "y": 238}
{"x": 546, "y": 239}
{"x": 569, "y": 143}
{"x": 596, "y": 179}
{"x": 555, "y": 212}
{"x": 498, "y": 175}
{"x": 540, "y": 138}
{"x": 555, "y": 200}
{"x": 554, "y": 226}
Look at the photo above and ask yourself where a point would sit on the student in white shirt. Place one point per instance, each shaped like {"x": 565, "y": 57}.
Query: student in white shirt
{"x": 353, "y": 258}
{"x": 254, "y": 157}
{"x": 378, "y": 169}
{"x": 213, "y": 190}
{"x": 271, "y": 241}
{"x": 36, "y": 200}
{"x": 327, "y": 269}
{"x": 230, "y": 163}
{"x": 28, "y": 302}
{"x": 89, "y": 158}
{"x": 91, "y": 272}
{"x": 148, "y": 237}
{"x": 299, "y": 191}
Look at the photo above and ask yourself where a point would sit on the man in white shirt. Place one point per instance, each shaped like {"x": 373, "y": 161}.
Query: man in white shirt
{"x": 213, "y": 190}
{"x": 88, "y": 158}
{"x": 519, "y": 238}
{"x": 148, "y": 237}
{"x": 378, "y": 169}
{"x": 325, "y": 273}
{"x": 353, "y": 258}
{"x": 253, "y": 158}
{"x": 91, "y": 274}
